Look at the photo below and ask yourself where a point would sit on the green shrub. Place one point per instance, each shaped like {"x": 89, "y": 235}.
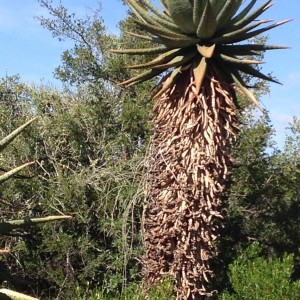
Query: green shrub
{"x": 253, "y": 276}
{"x": 162, "y": 291}
{"x": 13, "y": 226}
{"x": 88, "y": 166}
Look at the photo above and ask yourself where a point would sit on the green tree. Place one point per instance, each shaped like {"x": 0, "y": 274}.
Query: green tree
{"x": 263, "y": 198}
{"x": 89, "y": 158}
{"x": 256, "y": 277}
{"x": 84, "y": 63}
{"x": 195, "y": 120}
{"x": 16, "y": 227}
{"x": 90, "y": 64}
{"x": 83, "y": 169}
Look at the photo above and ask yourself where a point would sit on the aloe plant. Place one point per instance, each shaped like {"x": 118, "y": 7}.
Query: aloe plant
{"x": 203, "y": 52}
{"x": 6, "y": 227}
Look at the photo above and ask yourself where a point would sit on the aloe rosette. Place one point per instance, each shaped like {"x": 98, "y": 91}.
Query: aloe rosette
{"x": 202, "y": 35}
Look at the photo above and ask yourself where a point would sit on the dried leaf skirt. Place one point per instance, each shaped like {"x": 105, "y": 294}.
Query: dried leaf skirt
{"x": 188, "y": 167}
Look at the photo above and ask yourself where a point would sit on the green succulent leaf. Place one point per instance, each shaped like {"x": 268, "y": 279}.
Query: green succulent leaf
{"x": 242, "y": 21}
{"x": 217, "y": 5}
{"x": 160, "y": 30}
{"x": 237, "y": 61}
{"x": 9, "y": 138}
{"x": 242, "y": 86}
{"x": 156, "y": 20}
{"x": 141, "y": 77}
{"x": 156, "y": 11}
{"x": 247, "y": 49}
{"x": 139, "y": 11}
{"x": 255, "y": 73}
{"x": 175, "y": 42}
{"x": 7, "y": 226}
{"x": 181, "y": 11}
{"x": 149, "y": 51}
{"x": 243, "y": 13}
{"x": 163, "y": 58}
{"x": 14, "y": 171}
{"x": 208, "y": 23}
{"x": 168, "y": 81}
{"x": 254, "y": 33}
{"x": 240, "y": 33}
{"x": 179, "y": 60}
{"x": 140, "y": 36}
{"x": 227, "y": 12}
{"x": 198, "y": 9}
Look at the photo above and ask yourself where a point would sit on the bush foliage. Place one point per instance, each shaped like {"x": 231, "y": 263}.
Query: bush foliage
{"x": 254, "y": 277}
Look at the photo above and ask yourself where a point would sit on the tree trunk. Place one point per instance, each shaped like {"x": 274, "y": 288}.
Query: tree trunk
{"x": 189, "y": 165}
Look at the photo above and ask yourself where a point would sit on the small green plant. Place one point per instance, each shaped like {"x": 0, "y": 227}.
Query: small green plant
{"x": 254, "y": 277}
{"x": 7, "y": 227}
{"x": 161, "y": 291}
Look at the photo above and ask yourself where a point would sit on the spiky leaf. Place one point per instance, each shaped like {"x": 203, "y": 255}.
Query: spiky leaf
{"x": 200, "y": 23}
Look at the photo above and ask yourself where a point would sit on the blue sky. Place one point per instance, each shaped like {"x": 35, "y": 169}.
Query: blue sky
{"x": 29, "y": 50}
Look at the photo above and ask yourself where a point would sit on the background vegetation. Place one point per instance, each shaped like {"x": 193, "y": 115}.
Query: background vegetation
{"x": 89, "y": 146}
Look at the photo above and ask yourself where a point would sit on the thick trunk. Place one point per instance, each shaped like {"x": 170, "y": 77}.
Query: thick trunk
{"x": 188, "y": 169}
